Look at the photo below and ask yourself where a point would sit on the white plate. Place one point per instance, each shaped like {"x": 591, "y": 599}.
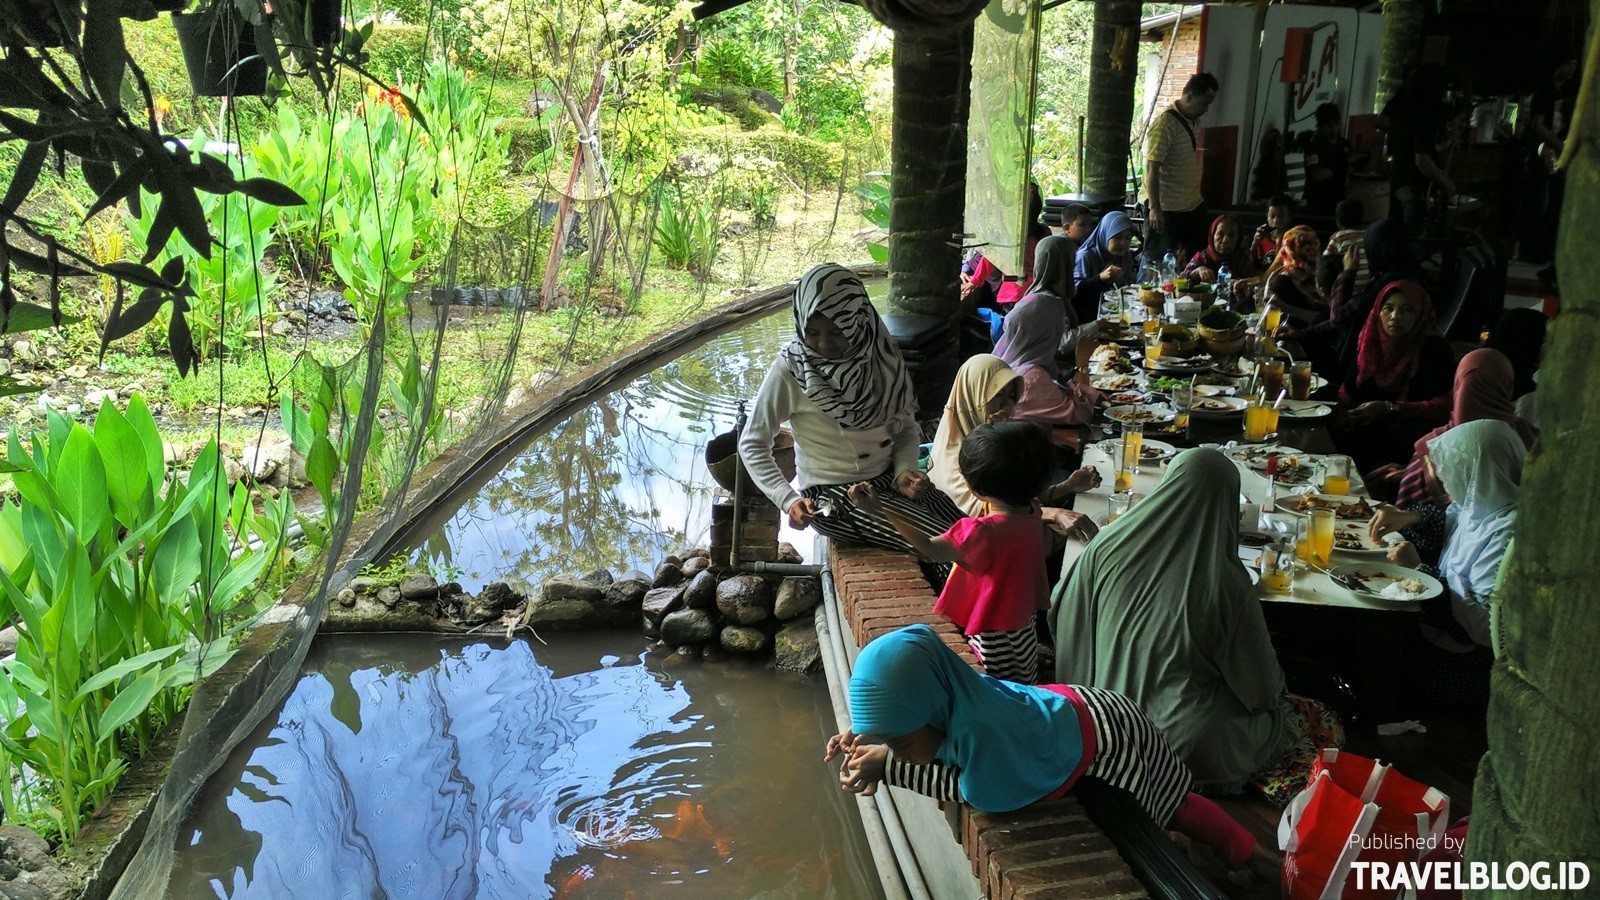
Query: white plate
{"x": 1255, "y": 455}
{"x": 1214, "y": 390}
{"x": 1126, "y": 397}
{"x": 1287, "y": 504}
{"x": 1376, "y": 576}
{"x": 1168, "y": 364}
{"x": 1118, "y": 382}
{"x": 1218, "y": 407}
{"x": 1305, "y": 409}
{"x": 1357, "y": 531}
{"x": 1125, "y": 414}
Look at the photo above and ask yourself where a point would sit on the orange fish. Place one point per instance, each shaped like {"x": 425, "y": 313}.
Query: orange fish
{"x": 574, "y": 881}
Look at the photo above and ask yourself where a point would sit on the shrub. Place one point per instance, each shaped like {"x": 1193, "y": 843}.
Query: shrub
{"x": 737, "y": 64}
{"x": 687, "y": 234}
{"x": 528, "y": 146}
{"x": 736, "y": 102}
{"x": 807, "y": 161}
{"x": 397, "y": 48}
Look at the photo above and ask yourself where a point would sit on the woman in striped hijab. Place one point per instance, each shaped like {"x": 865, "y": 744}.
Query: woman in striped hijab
{"x": 844, "y": 391}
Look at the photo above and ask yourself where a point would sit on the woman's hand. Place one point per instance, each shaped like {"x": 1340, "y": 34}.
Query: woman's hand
{"x": 1390, "y": 518}
{"x": 863, "y": 769}
{"x": 1111, "y": 272}
{"x": 1077, "y": 525}
{"x": 865, "y": 497}
{"x": 1286, "y": 332}
{"x": 910, "y": 483}
{"x": 1085, "y": 479}
{"x": 801, "y": 512}
{"x": 843, "y": 742}
{"x": 1369, "y": 412}
{"x": 1405, "y": 554}
{"x": 1205, "y": 273}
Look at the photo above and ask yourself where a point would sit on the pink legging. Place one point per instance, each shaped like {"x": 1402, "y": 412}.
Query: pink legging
{"x": 1204, "y": 821}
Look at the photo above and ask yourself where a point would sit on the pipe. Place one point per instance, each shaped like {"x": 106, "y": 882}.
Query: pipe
{"x": 738, "y": 490}
{"x": 761, "y": 567}
{"x": 891, "y": 849}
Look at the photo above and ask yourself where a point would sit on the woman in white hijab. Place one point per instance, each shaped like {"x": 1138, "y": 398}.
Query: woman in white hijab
{"x": 1477, "y": 468}
{"x": 843, "y": 388}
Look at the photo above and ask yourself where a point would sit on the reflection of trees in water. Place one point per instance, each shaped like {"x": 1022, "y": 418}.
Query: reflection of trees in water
{"x": 619, "y": 482}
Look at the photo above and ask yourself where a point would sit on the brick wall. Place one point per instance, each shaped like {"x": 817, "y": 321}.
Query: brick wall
{"x": 1185, "y": 62}
{"x": 1048, "y": 850}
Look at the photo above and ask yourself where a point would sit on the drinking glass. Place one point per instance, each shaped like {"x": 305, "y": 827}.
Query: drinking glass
{"x": 1128, "y": 465}
{"x": 1300, "y": 381}
{"x": 1118, "y": 503}
{"x": 1182, "y": 400}
{"x": 1270, "y": 319}
{"x": 1336, "y": 475}
{"x": 1152, "y": 340}
{"x": 1269, "y": 372}
{"x": 1277, "y": 566}
{"x": 1260, "y": 419}
{"x": 1320, "y": 531}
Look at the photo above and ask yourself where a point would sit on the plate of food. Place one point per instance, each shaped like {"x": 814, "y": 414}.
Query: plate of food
{"x": 1217, "y": 407}
{"x": 1255, "y": 540}
{"x": 1190, "y": 364}
{"x": 1386, "y": 581}
{"x": 1350, "y": 509}
{"x": 1109, "y": 359}
{"x": 1255, "y": 456}
{"x": 1214, "y": 390}
{"x": 1350, "y": 539}
{"x": 1305, "y": 409}
{"x": 1142, "y": 413}
{"x": 1233, "y": 368}
{"x": 1293, "y": 468}
{"x": 1114, "y": 382}
{"x": 1125, "y": 398}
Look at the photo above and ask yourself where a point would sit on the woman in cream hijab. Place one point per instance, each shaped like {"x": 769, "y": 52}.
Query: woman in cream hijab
{"x": 986, "y": 390}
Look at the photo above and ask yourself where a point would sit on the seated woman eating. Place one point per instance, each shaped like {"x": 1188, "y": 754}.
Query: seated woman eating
{"x": 1292, "y": 277}
{"x": 1160, "y": 609}
{"x": 843, "y": 388}
{"x": 1484, "y": 383}
{"x": 1105, "y": 261}
{"x": 1399, "y": 386}
{"x": 922, "y": 719}
{"x": 1225, "y": 247}
{"x": 1476, "y": 469}
{"x": 1033, "y": 332}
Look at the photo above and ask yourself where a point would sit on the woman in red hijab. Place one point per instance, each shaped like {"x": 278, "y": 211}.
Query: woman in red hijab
{"x": 1485, "y": 382}
{"x": 1399, "y": 387}
{"x": 1226, "y": 246}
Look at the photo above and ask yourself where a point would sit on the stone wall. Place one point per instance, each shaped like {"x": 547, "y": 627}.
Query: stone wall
{"x": 1048, "y": 850}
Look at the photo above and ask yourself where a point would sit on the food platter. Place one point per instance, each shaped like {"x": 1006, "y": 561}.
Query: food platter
{"x": 1117, "y": 381}
{"x": 1217, "y": 407}
{"x": 1143, "y": 414}
{"x": 1255, "y": 456}
{"x": 1350, "y": 539}
{"x": 1128, "y": 397}
{"x": 1215, "y": 390}
{"x": 1372, "y": 579}
{"x": 1187, "y": 365}
{"x": 1149, "y": 451}
{"x": 1349, "y": 509}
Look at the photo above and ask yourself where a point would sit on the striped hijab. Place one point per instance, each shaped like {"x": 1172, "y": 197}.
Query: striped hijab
{"x": 870, "y": 386}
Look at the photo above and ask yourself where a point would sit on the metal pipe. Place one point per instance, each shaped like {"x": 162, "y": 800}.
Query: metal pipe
{"x": 738, "y": 490}
{"x": 761, "y": 567}
{"x": 1081, "y": 121}
{"x": 879, "y": 809}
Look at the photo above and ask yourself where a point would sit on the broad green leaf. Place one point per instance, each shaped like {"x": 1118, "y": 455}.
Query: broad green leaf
{"x": 241, "y": 575}
{"x": 41, "y": 712}
{"x": 144, "y": 425}
{"x": 7, "y": 466}
{"x": 176, "y": 566}
{"x": 81, "y": 482}
{"x": 127, "y": 477}
{"x": 129, "y": 703}
{"x": 132, "y": 664}
{"x": 199, "y": 664}
{"x": 322, "y": 464}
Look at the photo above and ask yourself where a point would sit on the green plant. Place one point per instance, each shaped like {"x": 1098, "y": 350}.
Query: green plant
{"x": 738, "y": 64}
{"x": 874, "y": 194}
{"x": 687, "y": 234}
{"x": 129, "y": 586}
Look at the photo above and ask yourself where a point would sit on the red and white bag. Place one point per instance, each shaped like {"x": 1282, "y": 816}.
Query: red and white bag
{"x": 1355, "y": 809}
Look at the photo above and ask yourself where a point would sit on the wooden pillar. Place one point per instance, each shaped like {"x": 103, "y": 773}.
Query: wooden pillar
{"x": 1112, "y": 73}
{"x": 928, "y": 174}
{"x": 1534, "y": 799}
{"x": 1402, "y": 46}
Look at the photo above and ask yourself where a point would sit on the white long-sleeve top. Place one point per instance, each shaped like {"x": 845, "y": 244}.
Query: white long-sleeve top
{"x": 825, "y": 451}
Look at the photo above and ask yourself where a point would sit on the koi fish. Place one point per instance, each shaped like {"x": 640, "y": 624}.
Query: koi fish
{"x": 574, "y": 881}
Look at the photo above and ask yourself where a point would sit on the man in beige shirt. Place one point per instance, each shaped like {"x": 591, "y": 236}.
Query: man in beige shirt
{"x": 1177, "y": 216}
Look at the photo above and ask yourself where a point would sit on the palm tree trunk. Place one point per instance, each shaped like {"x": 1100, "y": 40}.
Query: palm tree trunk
{"x": 928, "y": 175}
{"x": 1402, "y": 46}
{"x": 1534, "y": 796}
{"x": 1111, "y": 82}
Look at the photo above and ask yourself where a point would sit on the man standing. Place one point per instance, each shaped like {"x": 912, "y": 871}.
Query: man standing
{"x": 1177, "y": 218}
{"x": 1550, "y": 111}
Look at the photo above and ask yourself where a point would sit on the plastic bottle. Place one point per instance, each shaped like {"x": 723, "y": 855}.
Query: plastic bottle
{"x": 1169, "y": 267}
{"x": 1224, "y": 286}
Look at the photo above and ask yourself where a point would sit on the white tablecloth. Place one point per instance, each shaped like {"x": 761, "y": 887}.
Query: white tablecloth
{"x": 1310, "y": 587}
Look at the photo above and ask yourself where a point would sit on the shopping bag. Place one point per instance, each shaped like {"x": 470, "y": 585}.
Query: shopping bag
{"x": 1355, "y": 809}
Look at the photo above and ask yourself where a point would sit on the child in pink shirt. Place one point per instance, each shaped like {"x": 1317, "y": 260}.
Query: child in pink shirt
{"x": 999, "y": 577}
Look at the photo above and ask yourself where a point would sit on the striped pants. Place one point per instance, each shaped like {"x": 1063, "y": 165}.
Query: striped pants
{"x": 932, "y": 513}
{"x": 1008, "y": 655}
{"x": 1131, "y": 754}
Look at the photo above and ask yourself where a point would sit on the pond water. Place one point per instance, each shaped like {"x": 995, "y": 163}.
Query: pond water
{"x": 619, "y": 484}
{"x": 437, "y": 767}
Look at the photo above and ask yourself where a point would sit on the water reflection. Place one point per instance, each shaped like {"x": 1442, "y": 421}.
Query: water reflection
{"x": 412, "y": 766}
{"x": 619, "y": 484}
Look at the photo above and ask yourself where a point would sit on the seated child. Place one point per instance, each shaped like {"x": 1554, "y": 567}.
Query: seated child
{"x": 999, "y": 577}
{"x": 1269, "y": 235}
{"x": 922, "y": 719}
{"x": 1350, "y": 237}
